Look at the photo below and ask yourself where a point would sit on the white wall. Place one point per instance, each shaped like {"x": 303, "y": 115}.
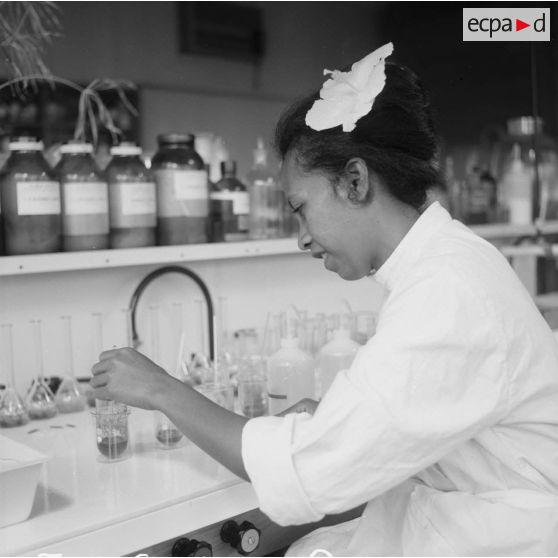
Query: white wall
{"x": 139, "y": 41}
{"x": 240, "y": 101}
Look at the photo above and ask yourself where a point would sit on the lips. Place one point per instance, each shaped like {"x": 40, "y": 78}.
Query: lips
{"x": 318, "y": 255}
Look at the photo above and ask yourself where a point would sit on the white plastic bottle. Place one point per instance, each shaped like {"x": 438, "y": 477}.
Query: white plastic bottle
{"x": 335, "y": 356}
{"x": 516, "y": 189}
{"x": 290, "y": 376}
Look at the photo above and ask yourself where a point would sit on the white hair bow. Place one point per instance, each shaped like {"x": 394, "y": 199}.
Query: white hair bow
{"x": 348, "y": 96}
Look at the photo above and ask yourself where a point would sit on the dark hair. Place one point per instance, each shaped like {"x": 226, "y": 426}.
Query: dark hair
{"x": 396, "y": 138}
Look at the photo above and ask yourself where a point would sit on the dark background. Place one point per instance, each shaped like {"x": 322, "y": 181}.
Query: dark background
{"x": 472, "y": 84}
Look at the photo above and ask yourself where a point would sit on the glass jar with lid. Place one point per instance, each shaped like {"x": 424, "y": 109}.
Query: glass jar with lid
{"x": 30, "y": 200}
{"x": 85, "y": 210}
{"x": 182, "y": 191}
{"x": 132, "y": 198}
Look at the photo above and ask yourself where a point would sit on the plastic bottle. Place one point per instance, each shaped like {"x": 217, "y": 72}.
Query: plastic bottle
{"x": 516, "y": 189}
{"x": 85, "y": 209}
{"x": 290, "y": 376}
{"x": 230, "y": 206}
{"x": 133, "y": 207}
{"x": 182, "y": 191}
{"x": 335, "y": 356}
{"x": 30, "y": 200}
{"x": 266, "y": 198}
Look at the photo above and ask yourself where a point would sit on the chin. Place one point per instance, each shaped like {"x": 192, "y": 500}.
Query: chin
{"x": 350, "y": 274}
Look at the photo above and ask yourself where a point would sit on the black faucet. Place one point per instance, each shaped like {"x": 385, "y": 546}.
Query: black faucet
{"x": 197, "y": 279}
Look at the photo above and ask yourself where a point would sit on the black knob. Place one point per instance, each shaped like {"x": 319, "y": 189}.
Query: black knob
{"x": 245, "y": 538}
{"x": 191, "y": 547}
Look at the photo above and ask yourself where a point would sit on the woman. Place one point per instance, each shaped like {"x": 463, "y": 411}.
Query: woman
{"x": 447, "y": 422}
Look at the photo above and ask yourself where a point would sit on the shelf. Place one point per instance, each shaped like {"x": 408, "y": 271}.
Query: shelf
{"x": 505, "y": 230}
{"x": 102, "y": 259}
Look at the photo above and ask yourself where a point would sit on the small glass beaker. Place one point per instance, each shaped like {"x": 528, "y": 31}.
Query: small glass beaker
{"x": 166, "y": 433}
{"x": 111, "y": 430}
{"x": 221, "y": 394}
{"x": 252, "y": 396}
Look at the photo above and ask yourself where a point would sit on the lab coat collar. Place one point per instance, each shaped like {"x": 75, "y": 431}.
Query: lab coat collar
{"x": 409, "y": 250}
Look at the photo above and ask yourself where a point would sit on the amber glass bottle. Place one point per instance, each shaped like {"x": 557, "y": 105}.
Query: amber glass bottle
{"x": 30, "y": 200}
{"x": 182, "y": 191}
{"x": 133, "y": 209}
{"x": 85, "y": 211}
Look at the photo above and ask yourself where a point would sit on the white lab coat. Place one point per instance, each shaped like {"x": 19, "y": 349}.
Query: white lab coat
{"x": 446, "y": 423}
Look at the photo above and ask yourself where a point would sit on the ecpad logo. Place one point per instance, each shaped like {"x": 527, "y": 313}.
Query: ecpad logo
{"x": 506, "y": 24}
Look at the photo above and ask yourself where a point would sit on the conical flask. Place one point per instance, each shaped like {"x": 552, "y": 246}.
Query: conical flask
{"x": 166, "y": 433}
{"x": 12, "y": 409}
{"x": 40, "y": 400}
{"x": 68, "y": 397}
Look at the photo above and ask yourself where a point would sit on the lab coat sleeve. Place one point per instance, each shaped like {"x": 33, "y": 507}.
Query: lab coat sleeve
{"x": 432, "y": 377}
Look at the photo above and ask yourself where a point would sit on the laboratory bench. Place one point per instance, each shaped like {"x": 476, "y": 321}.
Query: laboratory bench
{"x": 140, "y": 505}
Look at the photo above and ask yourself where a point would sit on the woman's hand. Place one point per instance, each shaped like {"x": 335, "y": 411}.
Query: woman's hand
{"x": 303, "y": 406}
{"x": 126, "y": 376}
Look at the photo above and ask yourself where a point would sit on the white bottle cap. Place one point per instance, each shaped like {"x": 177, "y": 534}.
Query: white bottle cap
{"x": 25, "y": 145}
{"x": 126, "y": 149}
{"x": 76, "y": 147}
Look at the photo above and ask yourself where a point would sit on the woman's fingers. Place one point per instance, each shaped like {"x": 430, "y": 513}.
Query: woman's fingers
{"x": 99, "y": 368}
{"x": 102, "y": 393}
{"x": 105, "y": 355}
{"x": 106, "y": 360}
{"x": 100, "y": 380}
{"x": 303, "y": 406}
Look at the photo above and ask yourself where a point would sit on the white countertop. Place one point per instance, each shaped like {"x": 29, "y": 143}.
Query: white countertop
{"x": 84, "y": 507}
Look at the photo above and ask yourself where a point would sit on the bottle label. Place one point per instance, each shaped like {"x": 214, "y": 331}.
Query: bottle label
{"x": 85, "y": 198}
{"x": 182, "y": 193}
{"x": 241, "y": 201}
{"x": 38, "y": 197}
{"x": 138, "y": 198}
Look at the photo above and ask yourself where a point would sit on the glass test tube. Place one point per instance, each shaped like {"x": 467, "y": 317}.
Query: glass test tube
{"x": 97, "y": 349}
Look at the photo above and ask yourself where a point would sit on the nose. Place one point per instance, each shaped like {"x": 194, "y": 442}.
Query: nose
{"x": 304, "y": 237}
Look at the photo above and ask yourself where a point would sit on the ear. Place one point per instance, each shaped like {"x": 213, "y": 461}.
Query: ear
{"x": 356, "y": 186}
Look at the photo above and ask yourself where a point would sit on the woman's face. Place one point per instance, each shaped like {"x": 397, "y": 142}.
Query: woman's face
{"x": 330, "y": 225}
